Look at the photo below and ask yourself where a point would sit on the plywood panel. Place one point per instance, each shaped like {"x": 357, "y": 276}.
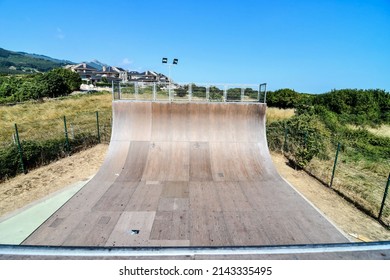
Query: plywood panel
{"x": 124, "y": 233}
{"x": 145, "y": 197}
{"x": 134, "y": 166}
{"x": 200, "y": 164}
{"x": 171, "y": 225}
{"x": 93, "y": 230}
{"x": 116, "y": 197}
{"x": 208, "y": 228}
{"x": 204, "y": 195}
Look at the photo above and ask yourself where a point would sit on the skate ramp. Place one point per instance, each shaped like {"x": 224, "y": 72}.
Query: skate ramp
{"x": 186, "y": 174}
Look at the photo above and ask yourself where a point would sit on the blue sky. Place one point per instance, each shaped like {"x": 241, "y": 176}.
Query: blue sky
{"x": 310, "y": 46}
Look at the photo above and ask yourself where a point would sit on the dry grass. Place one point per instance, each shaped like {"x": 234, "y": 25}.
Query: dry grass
{"x": 276, "y": 114}
{"x": 382, "y": 131}
{"x": 38, "y": 119}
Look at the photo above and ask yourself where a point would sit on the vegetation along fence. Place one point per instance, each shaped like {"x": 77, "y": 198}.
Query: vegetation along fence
{"x": 27, "y": 145}
{"x": 359, "y": 175}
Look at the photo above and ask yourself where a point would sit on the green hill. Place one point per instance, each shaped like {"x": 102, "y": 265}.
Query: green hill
{"x": 19, "y": 63}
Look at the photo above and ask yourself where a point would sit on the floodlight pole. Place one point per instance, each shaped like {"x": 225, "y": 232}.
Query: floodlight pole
{"x": 165, "y": 61}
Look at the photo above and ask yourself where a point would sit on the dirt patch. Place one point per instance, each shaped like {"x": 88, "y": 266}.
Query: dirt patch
{"x": 343, "y": 214}
{"x": 25, "y": 189}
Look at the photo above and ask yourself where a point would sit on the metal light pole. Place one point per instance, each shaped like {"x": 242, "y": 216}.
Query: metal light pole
{"x": 165, "y": 61}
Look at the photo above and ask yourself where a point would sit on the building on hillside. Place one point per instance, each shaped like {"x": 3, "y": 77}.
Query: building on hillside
{"x": 87, "y": 72}
{"x": 108, "y": 74}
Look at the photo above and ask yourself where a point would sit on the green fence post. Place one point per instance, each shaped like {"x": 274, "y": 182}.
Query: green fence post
{"x": 334, "y": 165}
{"x": 97, "y": 125}
{"x": 384, "y": 198}
{"x": 66, "y": 136}
{"x": 20, "y": 149}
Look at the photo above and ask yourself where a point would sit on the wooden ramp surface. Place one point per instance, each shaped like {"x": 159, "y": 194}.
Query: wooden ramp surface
{"x": 186, "y": 174}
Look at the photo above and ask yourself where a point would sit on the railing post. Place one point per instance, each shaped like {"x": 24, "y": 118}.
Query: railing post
{"x": 112, "y": 90}
{"x": 154, "y": 91}
{"x": 384, "y": 198}
{"x": 97, "y": 126}
{"x": 265, "y": 92}
{"x": 66, "y": 136}
{"x": 334, "y": 165}
{"x": 190, "y": 92}
{"x": 20, "y": 149}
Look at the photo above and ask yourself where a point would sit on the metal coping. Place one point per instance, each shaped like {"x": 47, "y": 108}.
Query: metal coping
{"x": 74, "y": 251}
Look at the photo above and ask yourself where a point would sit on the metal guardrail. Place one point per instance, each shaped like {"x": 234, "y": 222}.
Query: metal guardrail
{"x": 71, "y": 251}
{"x": 189, "y": 92}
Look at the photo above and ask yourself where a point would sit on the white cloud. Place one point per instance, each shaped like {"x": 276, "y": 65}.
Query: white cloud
{"x": 126, "y": 61}
{"x": 60, "y": 35}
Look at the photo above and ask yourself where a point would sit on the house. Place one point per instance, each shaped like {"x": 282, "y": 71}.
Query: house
{"x": 86, "y": 72}
{"x": 112, "y": 73}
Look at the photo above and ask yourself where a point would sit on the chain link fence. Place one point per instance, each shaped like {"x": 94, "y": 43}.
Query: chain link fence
{"x": 359, "y": 176}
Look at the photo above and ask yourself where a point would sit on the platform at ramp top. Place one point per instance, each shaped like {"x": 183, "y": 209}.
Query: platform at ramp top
{"x": 186, "y": 174}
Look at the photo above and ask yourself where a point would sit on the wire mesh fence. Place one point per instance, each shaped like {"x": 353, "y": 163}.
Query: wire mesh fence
{"x": 354, "y": 173}
{"x": 30, "y": 144}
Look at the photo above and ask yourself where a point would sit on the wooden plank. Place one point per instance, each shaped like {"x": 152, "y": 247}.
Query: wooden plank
{"x": 232, "y": 197}
{"x": 125, "y": 231}
{"x": 56, "y": 229}
{"x": 171, "y": 225}
{"x": 145, "y": 197}
{"x": 245, "y": 228}
{"x": 93, "y": 230}
{"x": 175, "y": 190}
{"x": 116, "y": 197}
{"x": 134, "y": 166}
{"x": 161, "y": 122}
{"x": 198, "y": 123}
{"x": 173, "y": 204}
{"x": 179, "y": 121}
{"x": 132, "y": 121}
{"x": 200, "y": 164}
{"x": 208, "y": 228}
{"x": 167, "y": 161}
{"x": 178, "y": 162}
{"x": 204, "y": 195}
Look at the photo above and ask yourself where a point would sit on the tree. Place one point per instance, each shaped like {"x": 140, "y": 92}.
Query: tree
{"x": 72, "y": 79}
{"x": 53, "y": 85}
{"x": 283, "y": 98}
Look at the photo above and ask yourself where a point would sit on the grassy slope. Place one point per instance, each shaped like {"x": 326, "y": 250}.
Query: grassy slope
{"x": 38, "y": 120}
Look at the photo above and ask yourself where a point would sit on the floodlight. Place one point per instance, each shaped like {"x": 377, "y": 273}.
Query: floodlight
{"x": 164, "y": 60}
{"x": 175, "y": 61}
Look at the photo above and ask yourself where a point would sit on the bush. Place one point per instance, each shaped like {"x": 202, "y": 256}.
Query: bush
{"x": 301, "y": 138}
{"x": 38, "y": 153}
